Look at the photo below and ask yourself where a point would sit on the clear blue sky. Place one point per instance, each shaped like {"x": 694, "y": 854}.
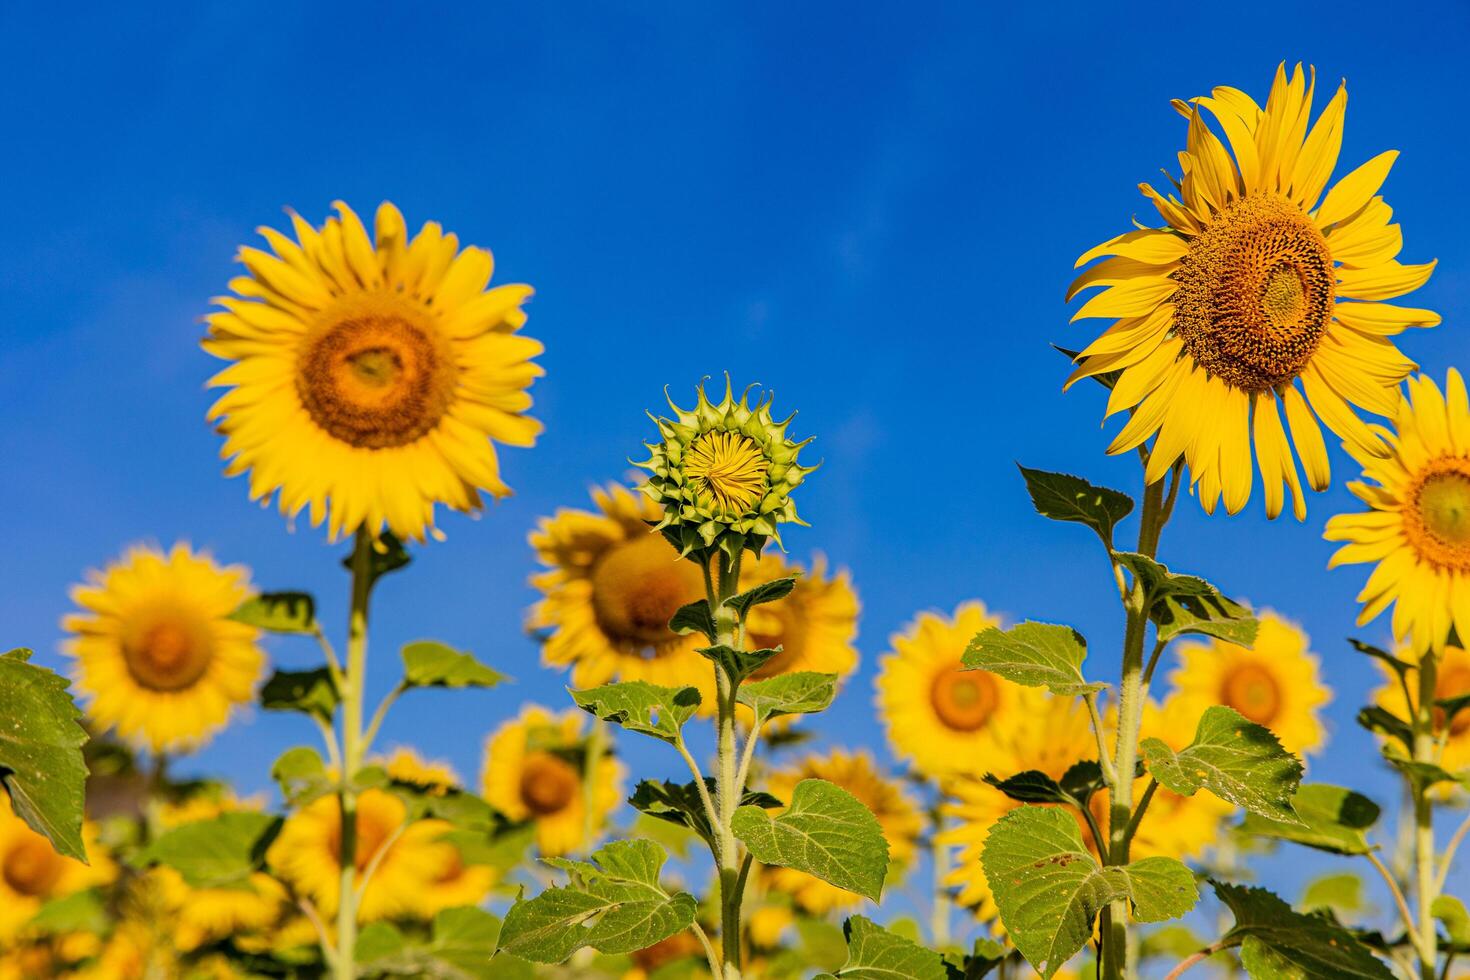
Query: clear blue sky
{"x": 873, "y": 209}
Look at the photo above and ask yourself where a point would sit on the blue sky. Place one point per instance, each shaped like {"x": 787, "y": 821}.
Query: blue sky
{"x": 874, "y": 210}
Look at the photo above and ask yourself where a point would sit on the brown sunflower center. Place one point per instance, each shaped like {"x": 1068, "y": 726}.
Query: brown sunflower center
{"x": 31, "y": 867}
{"x": 636, "y": 589}
{"x": 548, "y": 783}
{"x": 1453, "y": 682}
{"x": 727, "y": 470}
{"x": 1252, "y": 690}
{"x": 375, "y": 372}
{"x": 1437, "y": 515}
{"x": 964, "y": 699}
{"x": 1256, "y": 292}
{"x": 167, "y": 650}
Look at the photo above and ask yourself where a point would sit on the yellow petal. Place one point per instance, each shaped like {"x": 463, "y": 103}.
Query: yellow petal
{"x": 1355, "y": 190}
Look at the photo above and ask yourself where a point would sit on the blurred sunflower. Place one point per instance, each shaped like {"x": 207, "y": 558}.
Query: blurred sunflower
{"x": 660, "y": 958}
{"x": 1242, "y": 294}
{"x": 410, "y": 856}
{"x": 533, "y": 772}
{"x": 1452, "y": 679}
{"x": 816, "y": 625}
{"x": 1182, "y": 827}
{"x": 372, "y": 377}
{"x": 32, "y": 873}
{"x": 1417, "y": 527}
{"x": 157, "y": 656}
{"x": 1276, "y": 683}
{"x": 939, "y": 718}
{"x": 406, "y": 765}
{"x": 47, "y": 956}
{"x": 1045, "y": 733}
{"x": 884, "y": 795}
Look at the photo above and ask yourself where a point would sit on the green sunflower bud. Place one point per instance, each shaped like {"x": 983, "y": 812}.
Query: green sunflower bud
{"x": 723, "y": 474}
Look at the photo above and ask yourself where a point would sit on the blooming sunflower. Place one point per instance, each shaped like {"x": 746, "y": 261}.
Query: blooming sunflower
{"x": 815, "y": 626}
{"x": 1417, "y": 526}
{"x": 158, "y": 658}
{"x": 1243, "y": 293}
{"x": 533, "y": 771}
{"x": 32, "y": 873}
{"x": 1452, "y": 679}
{"x": 306, "y": 854}
{"x": 885, "y": 796}
{"x": 939, "y": 718}
{"x": 1276, "y": 683}
{"x": 371, "y": 377}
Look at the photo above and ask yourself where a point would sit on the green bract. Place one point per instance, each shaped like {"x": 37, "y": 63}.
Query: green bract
{"x": 723, "y": 474}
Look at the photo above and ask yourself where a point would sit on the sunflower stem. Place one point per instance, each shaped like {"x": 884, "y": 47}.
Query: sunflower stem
{"x": 1425, "y": 876}
{"x": 939, "y": 911}
{"x": 727, "y": 791}
{"x": 352, "y": 752}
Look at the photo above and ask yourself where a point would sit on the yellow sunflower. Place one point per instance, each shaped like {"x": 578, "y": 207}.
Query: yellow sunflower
{"x": 1417, "y": 526}
{"x": 815, "y": 626}
{"x": 1243, "y": 293}
{"x": 372, "y": 377}
{"x": 406, "y": 765}
{"x": 939, "y": 718}
{"x": 879, "y": 791}
{"x": 1276, "y": 684}
{"x": 1452, "y": 679}
{"x": 306, "y": 854}
{"x": 1046, "y": 734}
{"x": 157, "y": 657}
{"x": 32, "y": 873}
{"x": 533, "y": 771}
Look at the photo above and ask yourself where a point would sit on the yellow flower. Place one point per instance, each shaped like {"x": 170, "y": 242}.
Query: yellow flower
{"x": 533, "y": 771}
{"x": 647, "y": 962}
{"x": 1275, "y": 683}
{"x": 1417, "y": 526}
{"x": 884, "y": 795}
{"x": 1241, "y": 295}
{"x": 32, "y": 873}
{"x": 939, "y": 718}
{"x": 1046, "y": 734}
{"x": 306, "y": 854}
{"x": 815, "y": 626}
{"x": 1452, "y": 679}
{"x": 371, "y": 377}
{"x": 406, "y": 765}
{"x": 157, "y": 657}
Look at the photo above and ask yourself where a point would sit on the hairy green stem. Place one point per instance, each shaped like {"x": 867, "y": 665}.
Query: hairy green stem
{"x": 352, "y": 752}
{"x": 1425, "y": 877}
{"x": 727, "y": 790}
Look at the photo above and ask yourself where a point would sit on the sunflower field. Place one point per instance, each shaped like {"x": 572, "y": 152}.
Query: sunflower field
{"x": 641, "y": 674}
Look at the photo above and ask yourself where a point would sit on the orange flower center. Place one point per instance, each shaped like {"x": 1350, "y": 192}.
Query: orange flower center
{"x": 1453, "y": 682}
{"x": 1252, "y": 690}
{"x": 549, "y": 784}
{"x": 167, "y": 649}
{"x": 964, "y": 699}
{"x": 1437, "y": 518}
{"x": 727, "y": 472}
{"x": 375, "y": 372}
{"x": 1256, "y": 292}
{"x": 636, "y": 589}
{"x": 31, "y": 867}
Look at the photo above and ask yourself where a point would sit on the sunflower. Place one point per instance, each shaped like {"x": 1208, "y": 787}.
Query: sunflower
{"x": 1045, "y": 733}
{"x": 1241, "y": 295}
{"x": 885, "y": 796}
{"x": 158, "y": 658}
{"x": 1276, "y": 683}
{"x": 939, "y": 718}
{"x": 815, "y": 626}
{"x": 371, "y": 379}
{"x": 306, "y": 854}
{"x": 1417, "y": 526}
{"x": 32, "y": 873}
{"x": 1452, "y": 679}
{"x": 533, "y": 771}
{"x": 406, "y": 765}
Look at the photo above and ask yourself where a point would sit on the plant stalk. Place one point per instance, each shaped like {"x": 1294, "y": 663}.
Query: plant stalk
{"x": 1425, "y": 876}
{"x": 727, "y": 791}
{"x": 345, "y": 965}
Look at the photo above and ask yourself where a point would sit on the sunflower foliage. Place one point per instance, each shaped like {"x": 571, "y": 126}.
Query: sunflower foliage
{"x": 41, "y": 741}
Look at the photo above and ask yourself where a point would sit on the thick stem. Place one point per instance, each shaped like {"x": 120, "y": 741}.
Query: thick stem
{"x": 352, "y": 752}
{"x": 727, "y": 792}
{"x": 1425, "y": 877}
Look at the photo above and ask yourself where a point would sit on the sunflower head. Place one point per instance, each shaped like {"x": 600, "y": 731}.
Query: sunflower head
{"x": 722, "y": 474}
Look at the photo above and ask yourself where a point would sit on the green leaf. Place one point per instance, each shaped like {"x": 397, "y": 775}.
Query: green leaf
{"x": 1031, "y": 786}
{"x": 386, "y": 555}
{"x": 1385, "y": 722}
{"x": 1049, "y": 888}
{"x": 1108, "y": 379}
{"x": 800, "y": 693}
{"x": 873, "y": 953}
{"x": 427, "y": 663}
{"x": 1340, "y": 893}
{"x": 41, "y": 752}
{"x": 738, "y": 664}
{"x": 1425, "y": 773}
{"x": 1450, "y": 911}
{"x": 1034, "y": 654}
{"x": 503, "y": 847}
{"x": 302, "y": 776}
{"x": 217, "y": 853}
{"x": 826, "y": 832}
{"x": 1082, "y": 780}
{"x": 278, "y": 612}
{"x": 1278, "y": 943}
{"x": 1452, "y": 706}
{"x": 1332, "y": 819}
{"x": 460, "y": 946}
{"x": 613, "y": 903}
{"x": 311, "y": 692}
{"x": 985, "y": 956}
{"x": 680, "y": 803}
{"x": 1237, "y": 760}
{"x": 455, "y": 806}
{"x": 1400, "y": 667}
{"x": 83, "y": 911}
{"x": 765, "y": 592}
{"x": 641, "y": 707}
{"x": 694, "y": 618}
{"x": 1062, "y": 497}
{"x": 1180, "y": 604}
